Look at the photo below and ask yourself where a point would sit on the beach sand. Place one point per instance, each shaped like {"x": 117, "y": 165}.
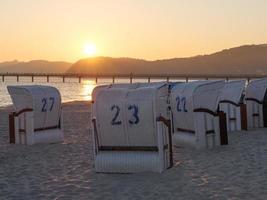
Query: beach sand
{"x": 65, "y": 171}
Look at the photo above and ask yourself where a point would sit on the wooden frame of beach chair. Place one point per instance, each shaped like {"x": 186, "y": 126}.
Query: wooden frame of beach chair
{"x": 136, "y": 146}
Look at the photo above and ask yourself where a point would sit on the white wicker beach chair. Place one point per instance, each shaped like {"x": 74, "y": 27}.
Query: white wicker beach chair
{"x": 37, "y": 117}
{"x": 256, "y": 101}
{"x": 232, "y": 103}
{"x": 132, "y": 128}
{"x": 196, "y": 121}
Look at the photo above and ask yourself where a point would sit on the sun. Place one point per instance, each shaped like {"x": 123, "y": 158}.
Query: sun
{"x": 89, "y": 50}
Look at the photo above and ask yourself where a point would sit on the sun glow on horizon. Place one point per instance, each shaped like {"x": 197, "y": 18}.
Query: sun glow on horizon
{"x": 89, "y": 49}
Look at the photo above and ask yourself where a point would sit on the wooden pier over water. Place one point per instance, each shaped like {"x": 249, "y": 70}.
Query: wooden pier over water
{"x": 131, "y": 77}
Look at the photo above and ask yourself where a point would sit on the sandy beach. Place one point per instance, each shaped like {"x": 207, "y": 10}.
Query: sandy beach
{"x": 65, "y": 171}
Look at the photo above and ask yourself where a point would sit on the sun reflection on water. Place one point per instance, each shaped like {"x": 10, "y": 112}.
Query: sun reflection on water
{"x": 87, "y": 89}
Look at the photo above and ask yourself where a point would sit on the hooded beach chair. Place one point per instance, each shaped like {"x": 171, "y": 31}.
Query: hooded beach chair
{"x": 37, "y": 117}
{"x": 232, "y": 103}
{"x": 131, "y": 128}
{"x": 256, "y": 101}
{"x": 196, "y": 121}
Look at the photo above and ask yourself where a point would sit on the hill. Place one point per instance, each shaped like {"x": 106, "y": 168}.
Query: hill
{"x": 34, "y": 66}
{"x": 248, "y": 59}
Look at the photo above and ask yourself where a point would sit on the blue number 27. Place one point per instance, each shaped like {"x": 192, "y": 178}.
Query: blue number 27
{"x": 44, "y": 102}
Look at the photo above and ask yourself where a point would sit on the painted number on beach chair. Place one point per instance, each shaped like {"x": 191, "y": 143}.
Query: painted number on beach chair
{"x": 135, "y": 114}
{"x": 132, "y": 108}
{"x": 44, "y": 102}
{"x": 181, "y": 104}
{"x": 114, "y": 120}
{"x": 52, "y": 99}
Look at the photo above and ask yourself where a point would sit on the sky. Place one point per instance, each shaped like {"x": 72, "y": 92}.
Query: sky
{"x": 64, "y": 30}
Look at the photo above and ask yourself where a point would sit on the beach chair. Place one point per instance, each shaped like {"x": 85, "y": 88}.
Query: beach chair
{"x": 232, "y": 103}
{"x": 196, "y": 121}
{"x": 131, "y": 128}
{"x": 256, "y": 101}
{"x": 37, "y": 117}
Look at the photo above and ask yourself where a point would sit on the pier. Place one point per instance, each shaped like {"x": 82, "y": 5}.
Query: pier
{"x": 132, "y": 77}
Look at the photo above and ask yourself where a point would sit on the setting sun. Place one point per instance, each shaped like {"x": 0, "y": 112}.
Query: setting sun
{"x": 89, "y": 49}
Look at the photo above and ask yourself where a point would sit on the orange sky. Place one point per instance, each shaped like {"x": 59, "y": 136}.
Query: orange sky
{"x": 150, "y": 29}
